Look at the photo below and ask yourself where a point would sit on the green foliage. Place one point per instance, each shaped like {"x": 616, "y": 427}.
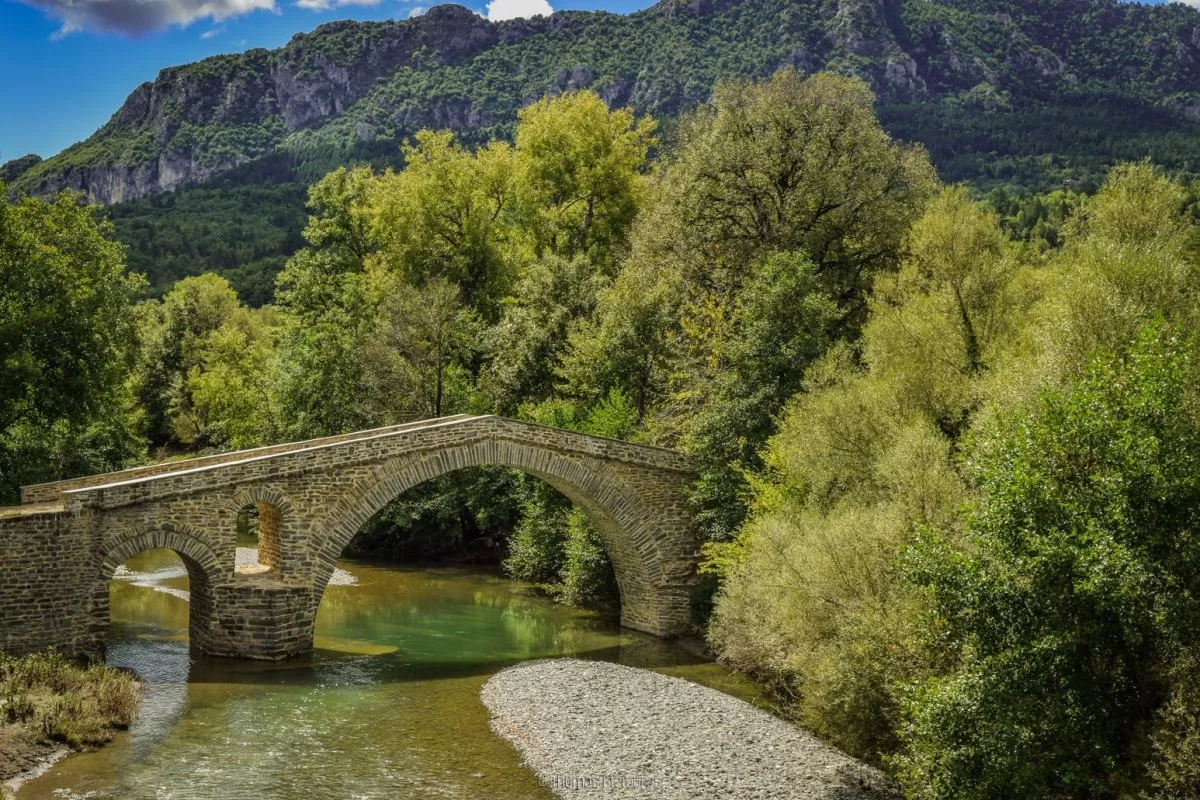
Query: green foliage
{"x": 580, "y": 163}
{"x": 324, "y": 294}
{"x": 812, "y": 598}
{"x": 1073, "y": 591}
{"x": 792, "y": 163}
{"x": 54, "y": 700}
{"x": 66, "y": 343}
{"x": 1038, "y": 218}
{"x": 11, "y": 170}
{"x": 783, "y": 200}
{"x": 445, "y": 216}
{"x": 743, "y": 373}
{"x": 538, "y": 547}
{"x": 1175, "y": 765}
{"x": 1041, "y": 645}
{"x": 417, "y": 364}
{"x": 466, "y": 515}
{"x": 232, "y": 385}
{"x": 198, "y": 315}
{"x": 587, "y": 575}
{"x": 242, "y": 233}
{"x": 1068, "y": 141}
{"x": 530, "y": 341}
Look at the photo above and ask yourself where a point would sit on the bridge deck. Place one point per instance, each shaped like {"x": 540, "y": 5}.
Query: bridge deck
{"x": 140, "y": 484}
{"x": 42, "y": 493}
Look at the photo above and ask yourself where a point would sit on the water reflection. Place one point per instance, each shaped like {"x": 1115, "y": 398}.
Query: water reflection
{"x": 387, "y": 706}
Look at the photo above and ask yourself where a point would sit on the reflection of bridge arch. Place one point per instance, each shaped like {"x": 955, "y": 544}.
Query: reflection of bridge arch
{"x": 318, "y": 494}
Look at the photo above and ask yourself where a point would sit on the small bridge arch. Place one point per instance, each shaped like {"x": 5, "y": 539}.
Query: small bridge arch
{"x": 202, "y": 565}
{"x": 319, "y": 493}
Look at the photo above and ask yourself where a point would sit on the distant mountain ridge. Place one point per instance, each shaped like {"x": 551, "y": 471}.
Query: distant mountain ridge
{"x": 347, "y": 86}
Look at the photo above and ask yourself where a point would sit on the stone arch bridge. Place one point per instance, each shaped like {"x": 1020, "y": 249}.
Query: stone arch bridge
{"x": 60, "y": 547}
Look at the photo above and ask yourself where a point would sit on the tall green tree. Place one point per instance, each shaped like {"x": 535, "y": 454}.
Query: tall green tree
{"x": 328, "y": 311}
{"x": 783, "y": 200}
{"x": 447, "y": 215}
{"x": 418, "y": 361}
{"x": 67, "y": 335}
{"x": 1075, "y": 591}
{"x": 742, "y": 366}
{"x": 233, "y": 389}
{"x": 788, "y": 164}
{"x": 581, "y": 167}
{"x": 173, "y": 335}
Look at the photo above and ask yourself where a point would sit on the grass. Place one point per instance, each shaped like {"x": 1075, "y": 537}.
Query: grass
{"x": 51, "y": 699}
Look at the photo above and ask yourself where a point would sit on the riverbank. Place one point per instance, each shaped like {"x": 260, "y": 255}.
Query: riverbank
{"x": 592, "y": 730}
{"x": 19, "y": 756}
{"x": 50, "y": 704}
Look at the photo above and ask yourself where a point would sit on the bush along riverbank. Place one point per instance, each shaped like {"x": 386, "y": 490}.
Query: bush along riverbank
{"x": 48, "y": 703}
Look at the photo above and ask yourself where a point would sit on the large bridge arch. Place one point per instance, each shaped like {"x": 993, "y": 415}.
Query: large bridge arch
{"x": 646, "y": 558}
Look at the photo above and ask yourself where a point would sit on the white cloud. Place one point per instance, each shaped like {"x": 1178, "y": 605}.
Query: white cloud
{"x": 498, "y": 10}
{"x": 325, "y": 5}
{"x": 210, "y": 33}
{"x": 416, "y": 11}
{"x": 139, "y": 17}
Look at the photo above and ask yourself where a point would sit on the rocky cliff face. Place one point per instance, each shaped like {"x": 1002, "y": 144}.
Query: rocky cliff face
{"x": 314, "y": 77}
{"x": 348, "y": 83}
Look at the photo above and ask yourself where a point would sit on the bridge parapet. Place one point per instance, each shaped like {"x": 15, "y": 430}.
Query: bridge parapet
{"x": 54, "y": 491}
{"x": 371, "y": 446}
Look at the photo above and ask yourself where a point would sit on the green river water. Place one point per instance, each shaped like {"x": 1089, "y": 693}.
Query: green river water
{"x": 387, "y": 706}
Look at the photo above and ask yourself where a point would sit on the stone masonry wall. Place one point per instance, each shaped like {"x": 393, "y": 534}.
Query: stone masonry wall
{"x": 46, "y": 565}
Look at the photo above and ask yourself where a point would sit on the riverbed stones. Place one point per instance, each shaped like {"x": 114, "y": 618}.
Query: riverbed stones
{"x": 594, "y": 730}
{"x": 59, "y": 550}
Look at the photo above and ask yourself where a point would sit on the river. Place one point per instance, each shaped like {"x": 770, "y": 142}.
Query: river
{"x": 386, "y": 707}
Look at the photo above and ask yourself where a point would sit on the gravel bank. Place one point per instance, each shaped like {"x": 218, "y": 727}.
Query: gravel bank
{"x": 592, "y": 729}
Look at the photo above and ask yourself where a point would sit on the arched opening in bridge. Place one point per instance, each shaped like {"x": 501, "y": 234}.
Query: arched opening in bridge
{"x": 148, "y": 611}
{"x": 499, "y": 517}
{"x": 152, "y": 595}
{"x": 636, "y": 510}
{"x": 441, "y": 552}
{"x": 259, "y": 548}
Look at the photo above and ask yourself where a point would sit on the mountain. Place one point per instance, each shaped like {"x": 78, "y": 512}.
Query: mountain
{"x": 205, "y": 169}
{"x": 349, "y": 89}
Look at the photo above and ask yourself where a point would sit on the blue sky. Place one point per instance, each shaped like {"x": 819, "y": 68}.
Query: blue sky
{"x": 67, "y": 65}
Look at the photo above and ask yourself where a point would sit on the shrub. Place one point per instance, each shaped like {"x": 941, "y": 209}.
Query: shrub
{"x": 587, "y": 575}
{"x": 1073, "y": 594}
{"x": 53, "y": 699}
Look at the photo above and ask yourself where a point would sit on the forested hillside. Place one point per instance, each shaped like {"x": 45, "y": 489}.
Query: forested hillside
{"x": 1028, "y": 96}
